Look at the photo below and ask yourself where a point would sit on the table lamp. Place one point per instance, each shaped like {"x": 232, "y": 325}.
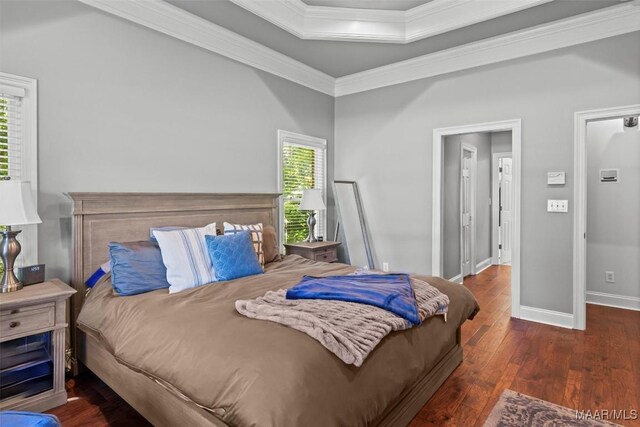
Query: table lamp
{"x": 16, "y": 208}
{"x": 312, "y": 201}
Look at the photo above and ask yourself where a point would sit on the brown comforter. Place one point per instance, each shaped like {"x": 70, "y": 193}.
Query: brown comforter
{"x": 259, "y": 373}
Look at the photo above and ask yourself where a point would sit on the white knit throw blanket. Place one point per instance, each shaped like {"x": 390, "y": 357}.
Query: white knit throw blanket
{"x": 349, "y": 330}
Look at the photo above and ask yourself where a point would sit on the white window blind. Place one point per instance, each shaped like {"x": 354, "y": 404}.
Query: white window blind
{"x": 11, "y": 148}
{"x": 19, "y": 148}
{"x": 303, "y": 166}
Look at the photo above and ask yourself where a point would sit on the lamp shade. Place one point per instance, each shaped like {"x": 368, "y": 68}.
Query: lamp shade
{"x": 312, "y": 200}
{"x": 16, "y": 204}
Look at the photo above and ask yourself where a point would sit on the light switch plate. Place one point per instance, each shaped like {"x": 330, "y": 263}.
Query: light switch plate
{"x": 558, "y": 206}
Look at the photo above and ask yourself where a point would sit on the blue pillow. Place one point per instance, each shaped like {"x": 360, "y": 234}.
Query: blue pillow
{"x": 233, "y": 256}
{"x": 137, "y": 267}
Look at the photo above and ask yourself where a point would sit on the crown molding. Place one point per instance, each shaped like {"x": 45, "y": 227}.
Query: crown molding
{"x": 380, "y": 26}
{"x": 588, "y": 27}
{"x": 165, "y": 18}
{"x": 440, "y": 16}
{"x": 173, "y": 21}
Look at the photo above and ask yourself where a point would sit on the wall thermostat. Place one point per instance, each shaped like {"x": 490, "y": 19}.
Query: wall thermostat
{"x": 556, "y": 178}
{"x": 609, "y": 175}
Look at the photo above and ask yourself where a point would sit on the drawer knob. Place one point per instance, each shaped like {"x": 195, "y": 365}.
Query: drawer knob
{"x": 14, "y": 324}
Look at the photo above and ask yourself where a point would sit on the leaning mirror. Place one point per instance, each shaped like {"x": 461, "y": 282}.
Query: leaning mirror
{"x": 351, "y": 229}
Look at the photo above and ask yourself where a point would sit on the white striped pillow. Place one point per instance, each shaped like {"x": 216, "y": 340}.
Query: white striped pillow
{"x": 184, "y": 253}
{"x": 256, "y": 236}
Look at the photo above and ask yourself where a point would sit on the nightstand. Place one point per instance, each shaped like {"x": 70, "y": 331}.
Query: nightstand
{"x": 317, "y": 251}
{"x": 33, "y": 323}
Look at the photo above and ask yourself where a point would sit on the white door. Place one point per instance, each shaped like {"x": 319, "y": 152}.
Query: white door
{"x": 467, "y": 211}
{"x": 505, "y": 221}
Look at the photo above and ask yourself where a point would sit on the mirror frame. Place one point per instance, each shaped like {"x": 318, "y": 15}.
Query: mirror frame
{"x": 363, "y": 224}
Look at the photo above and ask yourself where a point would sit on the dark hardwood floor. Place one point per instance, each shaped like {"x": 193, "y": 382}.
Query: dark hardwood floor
{"x": 587, "y": 370}
{"x": 594, "y": 369}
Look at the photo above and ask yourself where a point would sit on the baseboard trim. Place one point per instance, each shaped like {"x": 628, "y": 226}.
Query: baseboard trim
{"x": 483, "y": 265}
{"x": 548, "y": 317}
{"x": 612, "y": 300}
{"x": 457, "y": 279}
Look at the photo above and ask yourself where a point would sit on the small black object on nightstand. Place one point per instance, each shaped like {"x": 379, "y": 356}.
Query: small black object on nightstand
{"x": 31, "y": 274}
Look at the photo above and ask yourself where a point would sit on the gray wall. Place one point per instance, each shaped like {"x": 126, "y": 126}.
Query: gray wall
{"x": 613, "y": 223}
{"x": 124, "y": 108}
{"x": 384, "y": 140}
{"x": 451, "y": 200}
{"x": 501, "y": 142}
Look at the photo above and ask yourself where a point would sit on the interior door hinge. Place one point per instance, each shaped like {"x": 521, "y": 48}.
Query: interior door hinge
{"x": 500, "y": 169}
{"x": 500, "y": 246}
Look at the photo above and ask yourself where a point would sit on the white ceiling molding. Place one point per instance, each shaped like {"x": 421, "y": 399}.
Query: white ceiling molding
{"x": 381, "y": 26}
{"x": 165, "y": 18}
{"x": 440, "y": 16}
{"x": 608, "y": 22}
{"x": 330, "y": 23}
{"x": 178, "y": 23}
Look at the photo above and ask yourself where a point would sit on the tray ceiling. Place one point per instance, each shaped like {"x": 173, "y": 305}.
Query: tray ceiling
{"x": 338, "y": 58}
{"x": 369, "y": 4}
{"x": 228, "y": 30}
{"x": 380, "y": 26}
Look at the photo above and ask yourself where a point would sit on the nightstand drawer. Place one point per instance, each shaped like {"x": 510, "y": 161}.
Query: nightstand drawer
{"x": 25, "y": 319}
{"x": 316, "y": 251}
{"x": 326, "y": 255}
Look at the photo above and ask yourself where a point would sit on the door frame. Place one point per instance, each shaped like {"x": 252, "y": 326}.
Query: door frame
{"x": 439, "y": 134}
{"x": 581, "y": 118}
{"x": 472, "y": 208}
{"x": 495, "y": 157}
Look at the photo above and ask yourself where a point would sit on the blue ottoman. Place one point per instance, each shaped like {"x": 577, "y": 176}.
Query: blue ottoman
{"x": 27, "y": 419}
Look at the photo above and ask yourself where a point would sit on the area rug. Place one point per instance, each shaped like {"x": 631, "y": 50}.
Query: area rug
{"x": 519, "y": 410}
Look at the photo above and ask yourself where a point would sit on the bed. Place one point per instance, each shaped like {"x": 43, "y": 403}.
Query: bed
{"x": 191, "y": 359}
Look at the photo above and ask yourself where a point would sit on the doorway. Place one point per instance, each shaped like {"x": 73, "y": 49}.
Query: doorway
{"x": 477, "y": 203}
{"x": 441, "y": 254}
{"x": 580, "y": 232}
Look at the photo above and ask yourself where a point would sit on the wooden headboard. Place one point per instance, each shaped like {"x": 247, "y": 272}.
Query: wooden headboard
{"x": 100, "y": 218}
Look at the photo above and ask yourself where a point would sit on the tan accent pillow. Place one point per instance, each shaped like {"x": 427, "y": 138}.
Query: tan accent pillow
{"x": 256, "y": 236}
{"x": 270, "y": 244}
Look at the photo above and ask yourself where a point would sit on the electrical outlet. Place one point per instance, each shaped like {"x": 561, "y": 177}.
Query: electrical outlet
{"x": 385, "y": 267}
{"x": 609, "y": 277}
{"x": 558, "y": 206}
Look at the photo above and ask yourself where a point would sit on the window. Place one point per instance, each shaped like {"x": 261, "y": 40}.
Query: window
{"x": 10, "y": 123}
{"x": 18, "y": 148}
{"x": 302, "y": 165}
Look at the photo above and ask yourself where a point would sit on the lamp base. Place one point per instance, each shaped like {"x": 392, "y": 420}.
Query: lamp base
{"x": 13, "y": 284}
{"x": 311, "y": 223}
{"x": 9, "y": 250}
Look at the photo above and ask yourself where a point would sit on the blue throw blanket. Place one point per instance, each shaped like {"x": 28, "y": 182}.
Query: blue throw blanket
{"x": 391, "y": 292}
{"x": 27, "y": 419}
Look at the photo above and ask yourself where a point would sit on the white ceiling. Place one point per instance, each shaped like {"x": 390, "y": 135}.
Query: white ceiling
{"x": 338, "y": 58}
{"x": 369, "y": 4}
